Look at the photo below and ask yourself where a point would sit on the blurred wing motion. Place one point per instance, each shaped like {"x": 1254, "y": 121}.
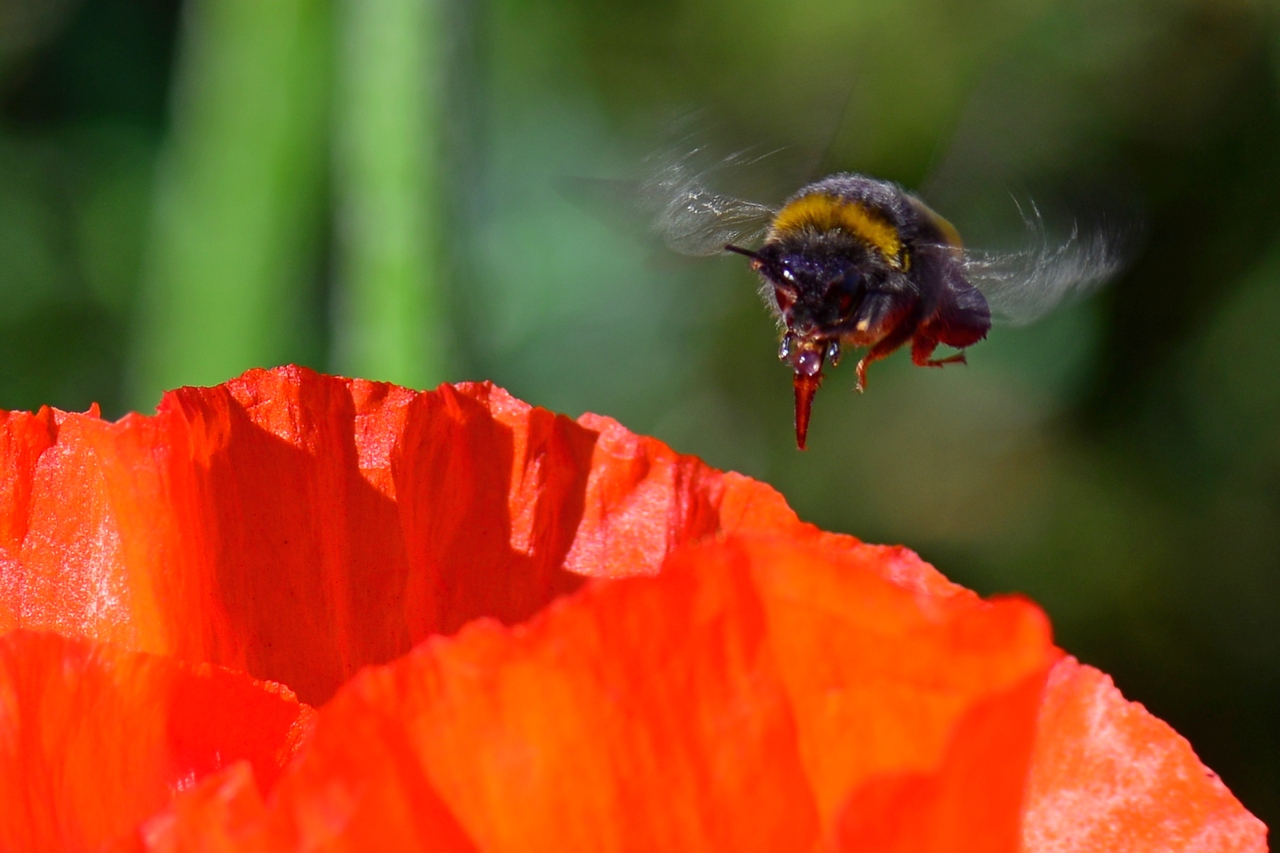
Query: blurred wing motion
{"x": 1023, "y": 285}
{"x": 691, "y": 218}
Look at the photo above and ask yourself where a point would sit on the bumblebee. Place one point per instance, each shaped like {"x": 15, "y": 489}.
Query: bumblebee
{"x": 850, "y": 261}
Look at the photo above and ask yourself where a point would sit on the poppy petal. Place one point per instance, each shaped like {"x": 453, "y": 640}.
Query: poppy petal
{"x": 774, "y": 687}
{"x": 916, "y": 711}
{"x": 687, "y": 712}
{"x": 1110, "y": 778}
{"x": 23, "y": 438}
{"x": 208, "y": 818}
{"x": 300, "y": 526}
{"x": 95, "y": 738}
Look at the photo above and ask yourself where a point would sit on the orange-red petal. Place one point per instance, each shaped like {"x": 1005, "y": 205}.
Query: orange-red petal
{"x": 300, "y": 526}
{"x": 687, "y": 712}
{"x": 917, "y": 710}
{"x": 772, "y": 688}
{"x": 95, "y": 739}
{"x": 1108, "y": 777}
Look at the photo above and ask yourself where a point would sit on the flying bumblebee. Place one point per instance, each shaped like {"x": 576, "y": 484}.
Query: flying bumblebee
{"x": 854, "y": 262}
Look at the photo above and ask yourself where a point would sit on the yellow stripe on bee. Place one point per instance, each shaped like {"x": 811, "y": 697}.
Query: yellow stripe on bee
{"x": 822, "y": 212}
{"x": 949, "y": 232}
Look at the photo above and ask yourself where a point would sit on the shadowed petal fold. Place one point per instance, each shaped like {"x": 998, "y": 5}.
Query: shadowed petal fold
{"x": 300, "y": 526}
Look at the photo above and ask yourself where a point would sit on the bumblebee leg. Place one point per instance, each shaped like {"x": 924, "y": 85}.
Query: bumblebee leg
{"x": 922, "y": 347}
{"x": 897, "y": 336}
{"x": 958, "y": 358}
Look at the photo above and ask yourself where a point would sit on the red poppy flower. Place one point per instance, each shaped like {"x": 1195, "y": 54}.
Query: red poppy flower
{"x": 519, "y": 632}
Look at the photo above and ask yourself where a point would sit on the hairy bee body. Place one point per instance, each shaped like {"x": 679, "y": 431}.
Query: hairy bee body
{"x": 857, "y": 262}
{"x": 852, "y": 261}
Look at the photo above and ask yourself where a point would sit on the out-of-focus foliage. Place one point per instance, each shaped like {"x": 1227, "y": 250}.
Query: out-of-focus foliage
{"x": 184, "y": 195}
{"x": 238, "y": 206}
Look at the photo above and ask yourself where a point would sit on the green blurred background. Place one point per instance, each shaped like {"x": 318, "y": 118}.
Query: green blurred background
{"x": 373, "y": 187}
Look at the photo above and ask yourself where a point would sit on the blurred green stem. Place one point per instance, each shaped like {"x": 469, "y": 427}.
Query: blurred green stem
{"x": 239, "y": 196}
{"x": 390, "y": 321}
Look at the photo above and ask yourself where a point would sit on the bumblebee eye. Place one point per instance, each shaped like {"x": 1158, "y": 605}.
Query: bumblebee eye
{"x": 848, "y": 291}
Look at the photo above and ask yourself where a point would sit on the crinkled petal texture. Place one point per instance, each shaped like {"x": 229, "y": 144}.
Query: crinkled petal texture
{"x": 298, "y": 526}
{"x": 756, "y": 695}
{"x": 93, "y": 739}
{"x": 523, "y": 633}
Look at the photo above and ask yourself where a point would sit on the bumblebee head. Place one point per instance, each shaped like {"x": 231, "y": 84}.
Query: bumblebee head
{"x": 815, "y": 291}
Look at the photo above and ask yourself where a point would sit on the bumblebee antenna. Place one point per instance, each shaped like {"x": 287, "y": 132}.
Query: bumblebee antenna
{"x": 755, "y": 256}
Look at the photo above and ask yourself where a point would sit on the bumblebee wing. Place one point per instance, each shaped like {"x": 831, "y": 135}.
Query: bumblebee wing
{"x": 1023, "y": 285}
{"x": 700, "y": 222}
{"x": 693, "y": 219}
